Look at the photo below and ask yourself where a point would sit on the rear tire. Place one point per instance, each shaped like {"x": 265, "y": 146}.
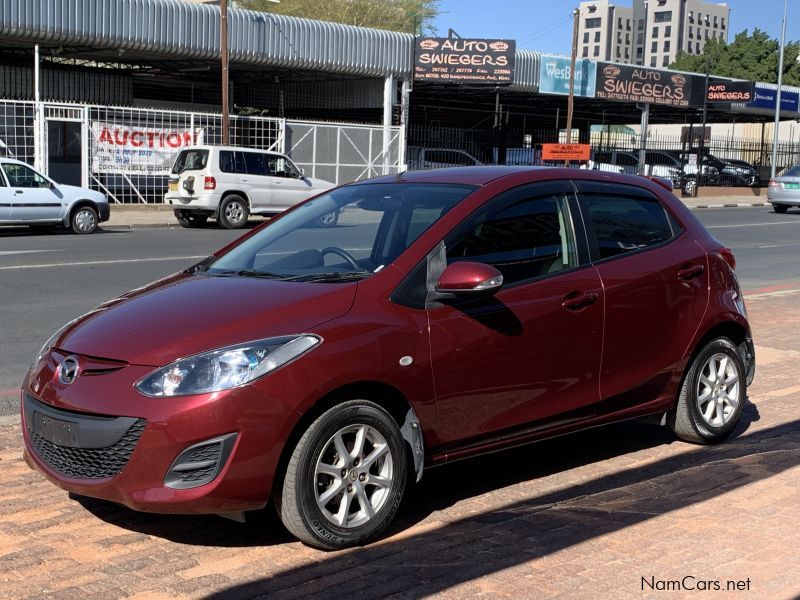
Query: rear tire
{"x": 233, "y": 212}
{"x": 712, "y": 395}
{"x": 190, "y": 218}
{"x": 84, "y": 220}
{"x": 338, "y": 492}
{"x": 780, "y": 208}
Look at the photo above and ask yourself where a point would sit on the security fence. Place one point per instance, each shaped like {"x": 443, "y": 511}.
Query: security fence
{"x": 127, "y": 153}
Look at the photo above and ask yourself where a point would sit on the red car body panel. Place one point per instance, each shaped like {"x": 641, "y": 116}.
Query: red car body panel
{"x": 520, "y": 367}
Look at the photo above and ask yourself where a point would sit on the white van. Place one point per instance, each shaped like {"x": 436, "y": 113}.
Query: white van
{"x": 230, "y": 183}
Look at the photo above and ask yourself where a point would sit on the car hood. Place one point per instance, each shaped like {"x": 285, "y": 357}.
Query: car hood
{"x": 320, "y": 184}
{"x": 186, "y": 314}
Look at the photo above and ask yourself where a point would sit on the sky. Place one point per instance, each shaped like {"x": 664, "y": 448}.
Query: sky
{"x": 546, "y": 25}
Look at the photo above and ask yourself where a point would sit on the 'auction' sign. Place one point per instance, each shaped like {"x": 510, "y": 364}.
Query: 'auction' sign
{"x": 461, "y": 60}
{"x": 729, "y": 91}
{"x": 647, "y": 86}
{"x": 139, "y": 150}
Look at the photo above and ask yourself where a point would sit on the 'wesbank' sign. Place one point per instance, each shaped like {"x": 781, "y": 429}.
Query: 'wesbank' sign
{"x": 554, "y": 76}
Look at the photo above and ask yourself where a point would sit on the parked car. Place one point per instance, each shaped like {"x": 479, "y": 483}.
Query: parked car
{"x": 784, "y": 191}
{"x": 322, "y": 370}
{"x": 615, "y": 161}
{"x": 438, "y": 158}
{"x": 657, "y": 164}
{"x": 738, "y": 173}
{"x": 229, "y": 184}
{"x": 29, "y": 198}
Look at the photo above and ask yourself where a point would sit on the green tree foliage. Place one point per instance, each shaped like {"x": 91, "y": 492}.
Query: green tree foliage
{"x": 753, "y": 57}
{"x": 394, "y": 15}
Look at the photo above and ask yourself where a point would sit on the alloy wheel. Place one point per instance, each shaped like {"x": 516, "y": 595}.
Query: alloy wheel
{"x": 718, "y": 388}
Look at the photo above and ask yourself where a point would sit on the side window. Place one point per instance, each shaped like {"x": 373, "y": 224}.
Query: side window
{"x": 2, "y": 180}
{"x": 23, "y": 176}
{"x": 232, "y": 162}
{"x": 525, "y": 233}
{"x": 255, "y": 164}
{"x": 624, "y": 223}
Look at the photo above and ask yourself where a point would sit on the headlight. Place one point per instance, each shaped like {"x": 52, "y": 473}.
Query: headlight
{"x": 225, "y": 368}
{"x": 46, "y": 347}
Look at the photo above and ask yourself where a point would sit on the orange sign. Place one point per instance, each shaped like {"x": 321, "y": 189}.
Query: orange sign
{"x": 565, "y": 151}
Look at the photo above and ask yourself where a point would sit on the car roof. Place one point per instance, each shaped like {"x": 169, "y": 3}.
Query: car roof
{"x": 233, "y": 148}
{"x": 13, "y": 160}
{"x": 473, "y": 175}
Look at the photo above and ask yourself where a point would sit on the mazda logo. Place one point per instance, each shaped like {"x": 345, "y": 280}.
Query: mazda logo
{"x": 68, "y": 370}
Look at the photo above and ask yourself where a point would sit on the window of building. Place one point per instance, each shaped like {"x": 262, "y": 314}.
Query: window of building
{"x": 715, "y": 20}
{"x": 708, "y": 20}
{"x": 641, "y": 25}
{"x": 627, "y": 54}
{"x": 668, "y": 31}
{"x": 706, "y": 33}
{"x": 655, "y": 32}
{"x": 640, "y": 38}
{"x": 619, "y": 38}
{"x": 697, "y": 47}
{"x": 667, "y": 46}
{"x": 585, "y": 37}
{"x": 653, "y": 47}
{"x": 594, "y": 23}
{"x": 627, "y": 39}
{"x": 691, "y": 33}
{"x": 652, "y": 61}
{"x": 596, "y": 37}
{"x": 597, "y": 50}
{"x": 691, "y": 16}
{"x": 663, "y": 16}
{"x": 639, "y": 51}
{"x": 722, "y": 25}
{"x": 619, "y": 23}
{"x": 618, "y": 52}
{"x": 665, "y": 62}
{"x": 585, "y": 51}
{"x": 627, "y": 24}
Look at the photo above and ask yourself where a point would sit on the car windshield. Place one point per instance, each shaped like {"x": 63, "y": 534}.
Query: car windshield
{"x": 343, "y": 235}
{"x": 792, "y": 172}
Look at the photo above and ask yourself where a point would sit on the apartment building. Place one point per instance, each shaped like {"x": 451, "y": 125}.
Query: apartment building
{"x": 659, "y": 30}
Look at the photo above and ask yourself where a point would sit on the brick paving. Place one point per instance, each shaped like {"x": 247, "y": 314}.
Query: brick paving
{"x": 592, "y": 515}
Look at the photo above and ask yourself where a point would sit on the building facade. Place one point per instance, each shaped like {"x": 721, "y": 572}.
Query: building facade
{"x": 650, "y": 33}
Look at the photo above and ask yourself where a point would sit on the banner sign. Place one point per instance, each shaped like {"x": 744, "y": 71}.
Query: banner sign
{"x": 466, "y": 61}
{"x": 565, "y": 151}
{"x": 139, "y": 150}
{"x": 554, "y": 76}
{"x": 767, "y": 98}
{"x": 647, "y": 86}
{"x": 729, "y": 91}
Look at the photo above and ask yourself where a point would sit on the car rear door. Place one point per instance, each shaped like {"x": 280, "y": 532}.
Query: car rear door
{"x": 655, "y": 278}
{"x": 257, "y": 180}
{"x": 532, "y": 351}
{"x": 33, "y": 197}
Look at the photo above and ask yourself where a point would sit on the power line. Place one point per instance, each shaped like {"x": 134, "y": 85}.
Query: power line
{"x": 546, "y": 29}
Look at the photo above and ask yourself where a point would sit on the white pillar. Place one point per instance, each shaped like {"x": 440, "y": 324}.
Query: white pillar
{"x": 38, "y": 127}
{"x": 388, "y": 99}
{"x": 643, "y": 132}
{"x": 405, "y": 95}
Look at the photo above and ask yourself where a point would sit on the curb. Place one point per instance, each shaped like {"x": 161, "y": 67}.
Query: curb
{"x": 730, "y": 205}
{"x": 141, "y": 226}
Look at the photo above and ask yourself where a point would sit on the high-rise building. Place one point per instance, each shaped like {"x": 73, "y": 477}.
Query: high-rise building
{"x": 652, "y": 32}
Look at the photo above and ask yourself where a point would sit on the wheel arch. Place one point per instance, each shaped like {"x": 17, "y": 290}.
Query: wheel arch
{"x": 78, "y": 204}
{"x": 737, "y": 333}
{"x": 384, "y": 395}
{"x": 227, "y": 193}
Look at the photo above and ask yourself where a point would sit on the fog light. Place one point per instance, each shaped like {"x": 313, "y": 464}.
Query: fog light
{"x": 200, "y": 463}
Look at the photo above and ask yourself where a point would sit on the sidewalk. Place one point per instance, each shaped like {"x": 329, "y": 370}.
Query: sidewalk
{"x": 135, "y": 216}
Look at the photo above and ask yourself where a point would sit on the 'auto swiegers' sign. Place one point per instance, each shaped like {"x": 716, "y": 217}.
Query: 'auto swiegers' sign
{"x": 138, "y": 150}
{"x": 647, "y": 86}
{"x": 462, "y": 60}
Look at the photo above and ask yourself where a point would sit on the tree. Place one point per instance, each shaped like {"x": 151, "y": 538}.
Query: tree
{"x": 752, "y": 57}
{"x": 394, "y": 15}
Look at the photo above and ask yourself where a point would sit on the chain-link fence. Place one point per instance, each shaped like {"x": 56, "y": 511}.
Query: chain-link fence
{"x": 17, "y": 130}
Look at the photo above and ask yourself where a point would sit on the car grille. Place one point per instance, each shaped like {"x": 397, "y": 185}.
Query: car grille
{"x": 89, "y": 463}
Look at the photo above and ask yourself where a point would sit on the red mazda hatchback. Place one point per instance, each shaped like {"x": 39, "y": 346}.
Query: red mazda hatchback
{"x": 447, "y": 314}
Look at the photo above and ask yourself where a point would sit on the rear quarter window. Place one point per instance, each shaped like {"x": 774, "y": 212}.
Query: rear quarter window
{"x": 624, "y": 219}
{"x": 190, "y": 160}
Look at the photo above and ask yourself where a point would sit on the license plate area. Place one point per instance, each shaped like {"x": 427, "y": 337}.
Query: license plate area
{"x": 791, "y": 186}
{"x": 61, "y": 433}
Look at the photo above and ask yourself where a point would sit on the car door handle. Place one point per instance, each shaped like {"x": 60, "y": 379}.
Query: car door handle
{"x": 19, "y": 191}
{"x": 579, "y": 300}
{"x": 691, "y": 272}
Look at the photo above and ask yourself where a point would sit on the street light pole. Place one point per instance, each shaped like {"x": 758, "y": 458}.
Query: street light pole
{"x": 778, "y": 95}
{"x": 223, "y": 42}
{"x": 571, "y": 99}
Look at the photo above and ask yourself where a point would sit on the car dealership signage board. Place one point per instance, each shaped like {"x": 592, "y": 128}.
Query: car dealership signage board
{"x": 767, "y": 98}
{"x": 628, "y": 83}
{"x": 554, "y": 76}
{"x": 138, "y": 150}
{"x": 464, "y": 61}
{"x": 565, "y": 151}
{"x": 729, "y": 91}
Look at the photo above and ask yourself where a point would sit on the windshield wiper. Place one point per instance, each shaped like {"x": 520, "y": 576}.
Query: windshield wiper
{"x": 336, "y": 277}
{"x": 249, "y": 273}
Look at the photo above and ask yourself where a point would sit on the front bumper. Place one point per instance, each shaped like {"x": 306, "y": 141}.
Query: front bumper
{"x": 104, "y": 212}
{"x": 206, "y": 454}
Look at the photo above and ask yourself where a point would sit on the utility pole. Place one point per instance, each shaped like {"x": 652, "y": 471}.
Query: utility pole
{"x": 571, "y": 98}
{"x": 778, "y": 94}
{"x": 223, "y": 42}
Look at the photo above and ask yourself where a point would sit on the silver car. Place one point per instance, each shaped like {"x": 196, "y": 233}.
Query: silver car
{"x": 29, "y": 198}
{"x": 784, "y": 191}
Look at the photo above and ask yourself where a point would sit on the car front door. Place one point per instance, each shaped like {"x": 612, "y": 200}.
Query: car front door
{"x": 655, "y": 278}
{"x": 6, "y": 194}
{"x": 33, "y": 197}
{"x": 288, "y": 185}
{"x": 532, "y": 351}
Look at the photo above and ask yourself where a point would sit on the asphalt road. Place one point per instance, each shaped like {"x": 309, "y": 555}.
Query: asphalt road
{"x": 47, "y": 280}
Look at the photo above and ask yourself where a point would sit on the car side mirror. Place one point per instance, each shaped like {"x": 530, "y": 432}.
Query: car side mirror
{"x": 469, "y": 280}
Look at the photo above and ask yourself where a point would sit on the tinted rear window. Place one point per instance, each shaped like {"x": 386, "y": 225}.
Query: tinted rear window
{"x": 792, "y": 172}
{"x": 190, "y": 160}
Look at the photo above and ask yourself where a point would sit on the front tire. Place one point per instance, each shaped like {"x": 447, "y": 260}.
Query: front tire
{"x": 327, "y": 220}
{"x": 780, "y": 208}
{"x": 190, "y": 219}
{"x": 233, "y": 212}
{"x": 345, "y": 478}
{"x": 712, "y": 395}
{"x": 84, "y": 220}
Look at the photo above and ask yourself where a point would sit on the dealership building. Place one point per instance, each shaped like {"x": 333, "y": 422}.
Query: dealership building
{"x": 103, "y": 93}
